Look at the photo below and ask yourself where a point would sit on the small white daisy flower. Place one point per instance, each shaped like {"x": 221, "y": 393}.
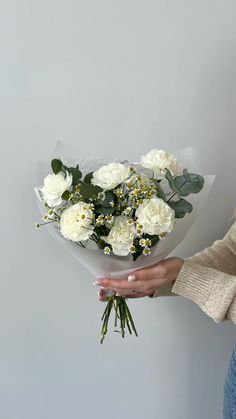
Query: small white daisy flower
{"x": 107, "y": 250}
{"x": 146, "y": 251}
{"x": 109, "y": 218}
{"x": 132, "y": 249}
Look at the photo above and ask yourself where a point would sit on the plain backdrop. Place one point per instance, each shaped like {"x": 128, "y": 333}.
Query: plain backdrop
{"x": 117, "y": 77}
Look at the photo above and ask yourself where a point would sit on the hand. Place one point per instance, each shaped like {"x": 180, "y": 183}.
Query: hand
{"x": 144, "y": 281}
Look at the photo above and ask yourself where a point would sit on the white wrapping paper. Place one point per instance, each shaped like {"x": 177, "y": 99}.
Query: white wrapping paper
{"x": 101, "y": 265}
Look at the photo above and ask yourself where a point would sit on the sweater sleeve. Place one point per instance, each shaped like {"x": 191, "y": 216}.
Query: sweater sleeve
{"x": 209, "y": 278}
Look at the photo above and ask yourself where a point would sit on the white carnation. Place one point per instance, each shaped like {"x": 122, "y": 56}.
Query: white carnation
{"x": 159, "y": 160}
{"x": 76, "y": 222}
{"x": 111, "y": 175}
{"x": 121, "y": 236}
{"x": 54, "y": 186}
{"x": 155, "y": 216}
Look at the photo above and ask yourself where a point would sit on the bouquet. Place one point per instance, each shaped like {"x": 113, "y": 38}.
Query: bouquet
{"x": 116, "y": 215}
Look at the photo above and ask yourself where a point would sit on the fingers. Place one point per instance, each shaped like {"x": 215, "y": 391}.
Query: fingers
{"x": 126, "y": 288}
{"x": 114, "y": 283}
{"x": 134, "y": 295}
{"x": 158, "y": 271}
{"x": 144, "y": 281}
{"x": 103, "y": 297}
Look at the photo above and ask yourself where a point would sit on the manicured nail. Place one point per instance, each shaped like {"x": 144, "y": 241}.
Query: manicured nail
{"x": 131, "y": 278}
{"x": 96, "y": 283}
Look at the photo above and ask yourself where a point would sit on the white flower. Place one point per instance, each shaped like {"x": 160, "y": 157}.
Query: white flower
{"x": 107, "y": 250}
{"x": 54, "y": 186}
{"x": 121, "y": 236}
{"x": 111, "y": 175}
{"x": 146, "y": 251}
{"x": 159, "y": 160}
{"x": 76, "y": 222}
{"x": 155, "y": 216}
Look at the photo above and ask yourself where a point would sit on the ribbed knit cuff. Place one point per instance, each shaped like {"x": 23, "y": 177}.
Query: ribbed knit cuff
{"x": 193, "y": 283}
{"x": 212, "y": 290}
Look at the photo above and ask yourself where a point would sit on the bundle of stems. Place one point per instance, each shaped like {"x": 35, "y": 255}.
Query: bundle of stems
{"x": 122, "y": 315}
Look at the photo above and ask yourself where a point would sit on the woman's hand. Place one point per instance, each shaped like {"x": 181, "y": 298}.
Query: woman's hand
{"x": 143, "y": 282}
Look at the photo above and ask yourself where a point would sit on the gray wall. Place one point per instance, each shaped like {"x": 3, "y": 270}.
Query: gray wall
{"x": 124, "y": 76}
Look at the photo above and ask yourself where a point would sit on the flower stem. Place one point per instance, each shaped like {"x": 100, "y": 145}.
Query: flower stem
{"x": 122, "y": 313}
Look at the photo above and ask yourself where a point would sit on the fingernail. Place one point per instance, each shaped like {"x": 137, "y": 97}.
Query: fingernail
{"x": 131, "y": 278}
{"x": 96, "y": 283}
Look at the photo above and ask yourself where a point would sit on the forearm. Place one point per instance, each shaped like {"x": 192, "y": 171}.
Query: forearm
{"x": 214, "y": 291}
{"x": 221, "y": 255}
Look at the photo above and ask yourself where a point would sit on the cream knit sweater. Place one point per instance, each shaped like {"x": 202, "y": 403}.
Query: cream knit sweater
{"x": 209, "y": 278}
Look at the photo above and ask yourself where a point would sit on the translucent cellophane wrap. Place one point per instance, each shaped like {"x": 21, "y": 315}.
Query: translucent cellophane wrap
{"x": 99, "y": 264}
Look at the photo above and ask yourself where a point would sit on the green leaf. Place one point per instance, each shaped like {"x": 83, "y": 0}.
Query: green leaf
{"x": 185, "y": 184}
{"x": 137, "y": 254}
{"x": 160, "y": 193}
{"x": 66, "y": 195}
{"x": 191, "y": 183}
{"x": 171, "y": 181}
{"x": 105, "y": 210}
{"x": 108, "y": 198}
{"x": 56, "y": 165}
{"x": 88, "y": 177}
{"x": 180, "y": 207}
{"x": 153, "y": 237}
{"x": 89, "y": 191}
{"x": 76, "y": 174}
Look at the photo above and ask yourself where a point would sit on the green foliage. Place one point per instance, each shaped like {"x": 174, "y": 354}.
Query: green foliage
{"x": 154, "y": 238}
{"x": 104, "y": 206}
{"x": 56, "y": 165}
{"x": 76, "y": 174}
{"x": 89, "y": 191}
{"x": 160, "y": 192}
{"x": 109, "y": 197}
{"x": 105, "y": 210}
{"x": 88, "y": 177}
{"x": 139, "y": 249}
{"x": 181, "y": 207}
{"x": 185, "y": 184}
{"x": 66, "y": 195}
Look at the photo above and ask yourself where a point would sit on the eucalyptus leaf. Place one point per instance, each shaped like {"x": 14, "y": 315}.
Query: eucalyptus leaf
{"x": 66, "y": 195}
{"x": 89, "y": 191}
{"x": 109, "y": 197}
{"x": 88, "y": 177}
{"x": 56, "y": 165}
{"x": 181, "y": 207}
{"x": 160, "y": 193}
{"x": 105, "y": 210}
{"x": 185, "y": 184}
{"x": 76, "y": 174}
